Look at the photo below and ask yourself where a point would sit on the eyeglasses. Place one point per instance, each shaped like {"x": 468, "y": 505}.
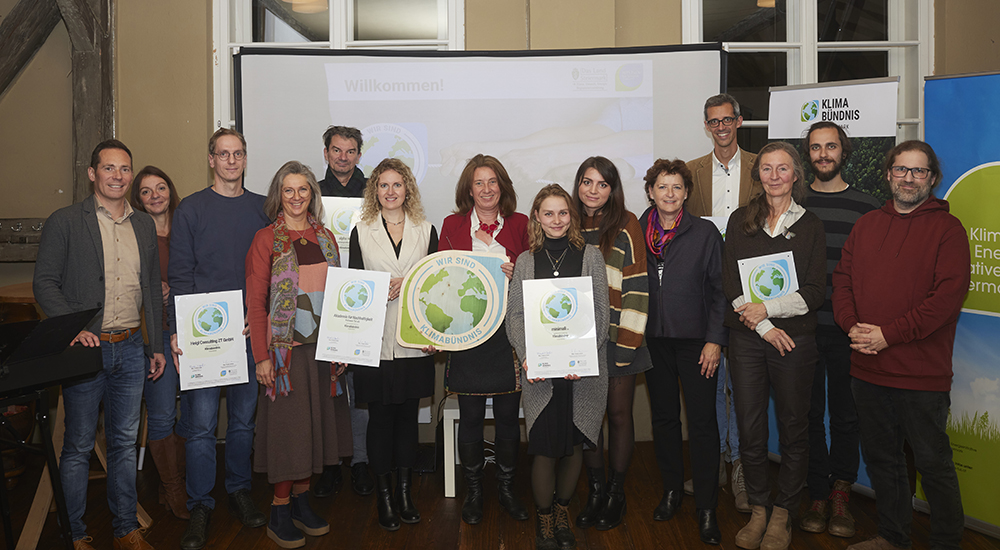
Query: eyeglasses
{"x": 727, "y": 121}
{"x": 918, "y": 173}
{"x": 238, "y": 155}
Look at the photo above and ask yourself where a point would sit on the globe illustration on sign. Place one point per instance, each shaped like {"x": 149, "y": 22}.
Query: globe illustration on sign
{"x": 769, "y": 280}
{"x": 210, "y": 319}
{"x": 387, "y": 140}
{"x": 447, "y": 285}
{"x": 356, "y": 295}
{"x": 809, "y": 110}
{"x": 558, "y": 306}
{"x": 340, "y": 221}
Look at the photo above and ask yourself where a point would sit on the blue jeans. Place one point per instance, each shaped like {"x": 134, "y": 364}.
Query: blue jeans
{"x": 839, "y": 461}
{"x": 161, "y": 397}
{"x": 887, "y": 417}
{"x": 119, "y": 386}
{"x": 729, "y": 432}
{"x": 200, "y": 408}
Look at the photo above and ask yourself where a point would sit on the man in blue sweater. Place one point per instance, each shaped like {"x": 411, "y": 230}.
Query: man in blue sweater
{"x": 211, "y": 234}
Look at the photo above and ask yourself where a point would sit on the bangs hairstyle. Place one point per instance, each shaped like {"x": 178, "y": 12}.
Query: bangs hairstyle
{"x": 345, "y": 132}
{"x": 536, "y": 235}
{"x": 463, "y": 190}
{"x": 136, "y": 200}
{"x": 846, "y": 146}
{"x": 674, "y": 167}
{"x": 613, "y": 214}
{"x": 914, "y": 145}
{"x": 272, "y": 203}
{"x": 225, "y": 132}
{"x": 757, "y": 208}
{"x": 412, "y": 207}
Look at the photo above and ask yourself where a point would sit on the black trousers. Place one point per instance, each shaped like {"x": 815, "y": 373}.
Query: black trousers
{"x": 839, "y": 461}
{"x": 758, "y": 369}
{"x": 675, "y": 367}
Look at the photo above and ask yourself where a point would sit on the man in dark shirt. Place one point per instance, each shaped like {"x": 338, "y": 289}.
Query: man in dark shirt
{"x": 832, "y": 471}
{"x": 342, "y": 149}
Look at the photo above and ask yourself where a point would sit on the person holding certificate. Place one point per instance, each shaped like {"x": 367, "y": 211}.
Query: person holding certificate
{"x": 393, "y": 236}
{"x": 685, "y": 335}
{"x": 302, "y": 422}
{"x": 561, "y": 414}
{"x": 153, "y": 192}
{"x": 772, "y": 345}
{"x": 599, "y": 198}
{"x": 485, "y": 221}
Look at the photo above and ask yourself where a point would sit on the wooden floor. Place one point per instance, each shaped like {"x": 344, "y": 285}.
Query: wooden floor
{"x": 354, "y": 523}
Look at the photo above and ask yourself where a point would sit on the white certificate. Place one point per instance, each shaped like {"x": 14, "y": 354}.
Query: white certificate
{"x": 768, "y": 277}
{"x": 559, "y": 328}
{"x": 353, "y": 319}
{"x": 210, "y": 333}
{"x": 340, "y": 215}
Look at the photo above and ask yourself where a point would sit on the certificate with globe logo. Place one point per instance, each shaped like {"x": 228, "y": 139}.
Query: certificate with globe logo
{"x": 453, "y": 300}
{"x": 210, "y": 333}
{"x": 768, "y": 277}
{"x": 559, "y": 332}
{"x": 353, "y": 319}
{"x": 342, "y": 214}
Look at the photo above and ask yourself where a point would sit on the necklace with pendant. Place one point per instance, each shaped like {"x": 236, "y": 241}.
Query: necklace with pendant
{"x": 302, "y": 237}
{"x": 556, "y": 262}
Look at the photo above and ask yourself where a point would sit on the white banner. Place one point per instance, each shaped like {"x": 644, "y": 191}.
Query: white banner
{"x": 861, "y": 109}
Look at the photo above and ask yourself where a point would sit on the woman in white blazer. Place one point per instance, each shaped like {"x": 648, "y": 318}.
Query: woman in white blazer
{"x": 393, "y": 236}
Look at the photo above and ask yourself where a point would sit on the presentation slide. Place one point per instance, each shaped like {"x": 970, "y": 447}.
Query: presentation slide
{"x": 540, "y": 113}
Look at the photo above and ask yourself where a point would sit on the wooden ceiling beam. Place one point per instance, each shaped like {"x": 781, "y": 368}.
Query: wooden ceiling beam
{"x": 84, "y": 25}
{"x": 22, "y": 32}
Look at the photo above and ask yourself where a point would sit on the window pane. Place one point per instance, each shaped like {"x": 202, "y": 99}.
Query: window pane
{"x": 751, "y": 139}
{"x": 835, "y": 66}
{"x": 279, "y": 21}
{"x": 841, "y": 20}
{"x": 748, "y": 77}
{"x": 743, "y": 21}
{"x": 396, "y": 19}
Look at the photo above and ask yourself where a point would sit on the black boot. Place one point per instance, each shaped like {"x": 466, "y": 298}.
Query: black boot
{"x": 708, "y": 527}
{"x": 329, "y": 481}
{"x": 407, "y": 511}
{"x": 545, "y": 530}
{"x": 472, "y": 466}
{"x": 564, "y": 533}
{"x": 281, "y": 530}
{"x": 595, "y": 500}
{"x": 388, "y": 519}
{"x": 668, "y": 505}
{"x": 614, "y": 505}
{"x": 506, "y": 455}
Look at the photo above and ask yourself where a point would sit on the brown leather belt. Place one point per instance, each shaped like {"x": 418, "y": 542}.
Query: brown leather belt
{"x": 116, "y": 336}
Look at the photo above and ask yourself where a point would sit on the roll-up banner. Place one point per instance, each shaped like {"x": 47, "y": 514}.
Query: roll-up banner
{"x": 958, "y": 127}
{"x": 866, "y": 109}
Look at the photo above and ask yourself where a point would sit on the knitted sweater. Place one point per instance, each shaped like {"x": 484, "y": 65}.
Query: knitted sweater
{"x": 590, "y": 393}
{"x": 628, "y": 286}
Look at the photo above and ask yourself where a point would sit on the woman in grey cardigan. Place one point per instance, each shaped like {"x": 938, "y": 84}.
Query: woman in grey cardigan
{"x": 561, "y": 414}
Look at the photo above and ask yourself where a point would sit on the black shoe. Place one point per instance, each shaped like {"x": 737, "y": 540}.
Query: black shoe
{"x": 196, "y": 535}
{"x": 472, "y": 468}
{"x": 613, "y": 511}
{"x": 595, "y": 499}
{"x": 545, "y": 528}
{"x": 564, "y": 533}
{"x": 305, "y": 518}
{"x": 361, "y": 480}
{"x": 388, "y": 519}
{"x": 407, "y": 511}
{"x": 506, "y": 458}
{"x": 329, "y": 482}
{"x": 281, "y": 530}
{"x": 669, "y": 504}
{"x": 708, "y": 527}
{"x": 241, "y": 505}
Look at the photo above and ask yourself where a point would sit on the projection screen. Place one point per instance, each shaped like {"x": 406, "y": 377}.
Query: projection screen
{"x": 540, "y": 112}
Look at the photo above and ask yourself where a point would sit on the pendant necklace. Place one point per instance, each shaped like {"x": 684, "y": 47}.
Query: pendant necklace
{"x": 557, "y": 262}
{"x": 302, "y": 237}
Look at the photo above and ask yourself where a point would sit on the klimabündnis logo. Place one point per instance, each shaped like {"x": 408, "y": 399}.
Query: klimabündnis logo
{"x": 209, "y": 319}
{"x": 809, "y": 111}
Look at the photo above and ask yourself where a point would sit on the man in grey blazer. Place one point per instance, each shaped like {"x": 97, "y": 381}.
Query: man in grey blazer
{"x": 100, "y": 253}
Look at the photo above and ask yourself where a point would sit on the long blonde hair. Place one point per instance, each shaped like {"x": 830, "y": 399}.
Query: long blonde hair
{"x": 536, "y": 235}
{"x": 412, "y": 207}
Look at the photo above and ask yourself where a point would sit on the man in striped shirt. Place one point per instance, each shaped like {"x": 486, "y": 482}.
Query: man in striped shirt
{"x": 833, "y": 470}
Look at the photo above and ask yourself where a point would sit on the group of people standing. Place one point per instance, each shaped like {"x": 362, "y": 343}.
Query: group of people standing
{"x": 870, "y": 304}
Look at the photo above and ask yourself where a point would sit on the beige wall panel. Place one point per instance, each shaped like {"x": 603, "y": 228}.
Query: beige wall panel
{"x": 36, "y": 132}
{"x": 571, "y": 24}
{"x": 165, "y": 87}
{"x": 496, "y": 25}
{"x": 645, "y": 23}
{"x": 966, "y": 36}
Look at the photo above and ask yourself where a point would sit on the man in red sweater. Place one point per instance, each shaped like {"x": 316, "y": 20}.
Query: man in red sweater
{"x": 897, "y": 291}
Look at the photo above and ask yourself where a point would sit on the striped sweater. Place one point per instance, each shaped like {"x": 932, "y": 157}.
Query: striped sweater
{"x": 628, "y": 286}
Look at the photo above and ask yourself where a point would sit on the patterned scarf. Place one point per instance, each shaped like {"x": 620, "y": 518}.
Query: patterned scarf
{"x": 284, "y": 297}
{"x": 658, "y": 238}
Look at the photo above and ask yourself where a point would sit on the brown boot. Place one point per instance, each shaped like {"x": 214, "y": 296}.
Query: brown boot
{"x": 841, "y": 520}
{"x": 83, "y": 544}
{"x": 779, "y": 530}
{"x": 751, "y": 534}
{"x": 814, "y": 521}
{"x": 132, "y": 541}
{"x": 167, "y": 452}
{"x": 874, "y": 543}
